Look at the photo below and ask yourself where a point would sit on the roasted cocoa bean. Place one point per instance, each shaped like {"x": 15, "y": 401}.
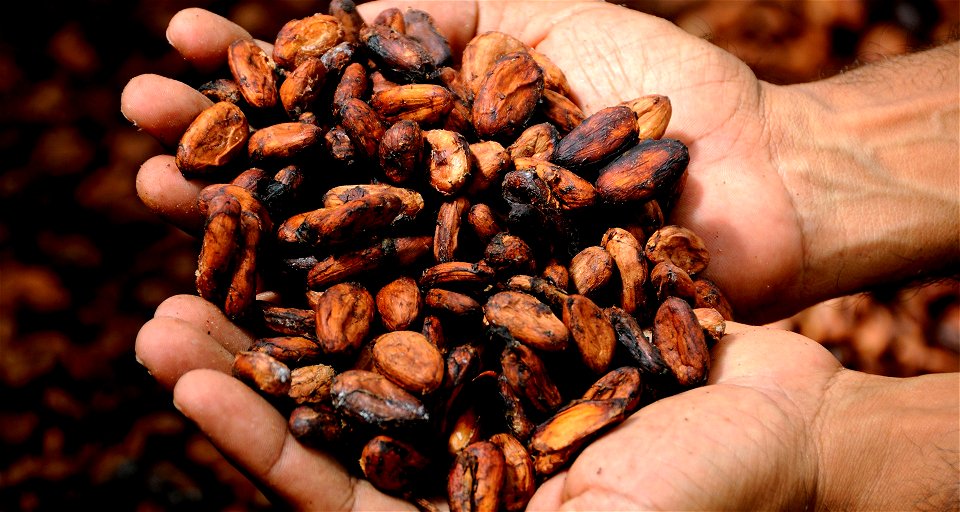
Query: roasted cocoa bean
{"x": 591, "y": 331}
{"x": 518, "y": 476}
{"x": 372, "y": 399}
{"x": 344, "y": 314}
{"x": 507, "y": 96}
{"x": 262, "y": 372}
{"x": 527, "y": 320}
{"x": 678, "y": 335}
{"x": 408, "y": 359}
{"x": 303, "y": 38}
{"x": 476, "y": 478}
{"x": 214, "y": 139}
{"x": 392, "y": 465}
{"x": 399, "y": 303}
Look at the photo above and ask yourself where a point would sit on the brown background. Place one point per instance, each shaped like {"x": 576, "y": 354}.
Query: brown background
{"x": 83, "y": 264}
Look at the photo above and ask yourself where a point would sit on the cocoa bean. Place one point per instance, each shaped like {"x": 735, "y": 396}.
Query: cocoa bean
{"x": 282, "y": 141}
{"x": 262, "y": 372}
{"x": 302, "y": 86}
{"x": 289, "y": 350}
{"x": 449, "y": 161}
{"x": 401, "y": 151}
{"x": 213, "y": 140}
{"x": 344, "y": 314}
{"x": 518, "y": 476}
{"x": 653, "y": 115}
{"x": 307, "y": 37}
{"x": 681, "y": 246}
{"x": 557, "y": 440}
{"x": 527, "y": 320}
{"x": 537, "y": 141}
{"x": 507, "y": 96}
{"x": 409, "y": 360}
{"x": 591, "y": 331}
{"x": 638, "y": 344}
{"x": 447, "y": 233}
{"x": 476, "y": 478}
{"x": 527, "y": 375}
{"x": 311, "y": 384}
{"x": 591, "y": 269}
{"x": 422, "y": 103}
{"x": 421, "y": 27}
{"x": 599, "y": 138}
{"x": 253, "y": 70}
{"x": 653, "y": 168}
{"x": 370, "y": 398}
{"x": 678, "y": 335}
{"x": 392, "y": 465}
{"x": 398, "y": 303}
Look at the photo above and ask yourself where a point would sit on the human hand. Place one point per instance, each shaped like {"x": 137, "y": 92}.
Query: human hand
{"x": 734, "y": 197}
{"x": 780, "y": 425}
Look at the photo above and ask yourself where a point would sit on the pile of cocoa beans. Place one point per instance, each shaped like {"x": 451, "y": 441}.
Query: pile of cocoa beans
{"x": 456, "y": 279}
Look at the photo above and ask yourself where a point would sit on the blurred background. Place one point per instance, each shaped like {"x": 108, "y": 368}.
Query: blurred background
{"x": 83, "y": 264}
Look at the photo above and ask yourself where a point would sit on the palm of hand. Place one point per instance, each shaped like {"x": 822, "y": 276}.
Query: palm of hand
{"x": 733, "y": 197}
{"x": 743, "y": 441}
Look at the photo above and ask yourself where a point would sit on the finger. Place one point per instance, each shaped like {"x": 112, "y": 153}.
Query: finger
{"x": 549, "y": 495}
{"x": 747, "y": 351}
{"x": 164, "y": 190}
{"x": 170, "y": 347}
{"x": 457, "y": 21}
{"x": 162, "y": 107}
{"x": 460, "y": 21}
{"x": 202, "y": 37}
{"x": 207, "y": 318}
{"x": 249, "y": 431}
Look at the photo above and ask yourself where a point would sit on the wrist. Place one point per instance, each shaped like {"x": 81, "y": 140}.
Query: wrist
{"x": 870, "y": 159}
{"x": 888, "y": 443}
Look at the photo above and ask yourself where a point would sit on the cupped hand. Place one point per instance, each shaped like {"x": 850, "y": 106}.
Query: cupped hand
{"x": 746, "y": 440}
{"x": 734, "y": 196}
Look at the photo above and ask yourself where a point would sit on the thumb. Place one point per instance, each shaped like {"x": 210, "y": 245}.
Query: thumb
{"x": 250, "y": 432}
